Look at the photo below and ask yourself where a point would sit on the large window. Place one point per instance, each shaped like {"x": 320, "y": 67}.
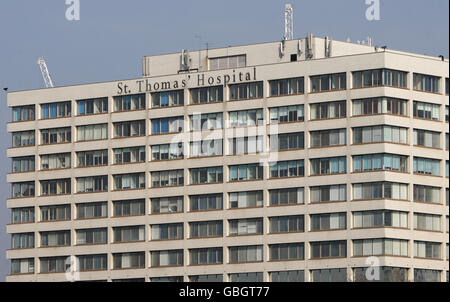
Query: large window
{"x": 167, "y": 205}
{"x": 167, "y": 258}
{"x": 129, "y": 233}
{"x": 213, "y": 94}
{"x": 168, "y": 178}
{"x": 328, "y": 249}
{"x": 379, "y": 77}
{"x": 380, "y": 105}
{"x": 129, "y": 129}
{"x": 227, "y": 62}
{"x": 246, "y": 226}
{"x": 23, "y": 113}
{"x": 289, "y": 196}
{"x": 129, "y": 260}
{"x": 92, "y": 106}
{"x": 287, "y": 251}
{"x": 129, "y": 155}
{"x": 23, "y": 189}
{"x": 378, "y": 162}
{"x": 427, "y": 222}
{"x": 22, "y": 215}
{"x": 427, "y": 83}
{"x": 427, "y": 138}
{"x": 203, "y": 256}
{"x": 286, "y": 224}
{"x": 206, "y": 175}
{"x": 327, "y": 82}
{"x": 331, "y": 193}
{"x": 22, "y": 240}
{"x": 55, "y": 213}
{"x": 92, "y": 158}
{"x": 53, "y": 264}
{"x": 243, "y": 254}
{"x": 242, "y": 118}
{"x": 380, "y": 190}
{"x": 331, "y": 165}
{"x": 55, "y": 187}
{"x": 207, "y": 121}
{"x": 380, "y": 134}
{"x": 287, "y": 114}
{"x": 292, "y": 168}
{"x": 380, "y": 218}
{"x": 380, "y": 247}
{"x": 328, "y": 221}
{"x": 92, "y": 210}
{"x": 328, "y": 110}
{"x": 55, "y": 238}
{"x": 246, "y": 145}
{"x": 167, "y": 151}
{"x": 92, "y": 236}
{"x": 168, "y": 125}
{"x": 56, "y": 136}
{"x": 246, "y": 277}
{"x": 287, "y": 141}
{"x": 129, "y": 181}
{"x": 55, "y": 161}
{"x": 168, "y": 99}
{"x": 206, "y": 202}
{"x": 92, "y": 184}
{"x": 427, "y": 194}
{"x": 427, "y": 249}
{"x": 287, "y": 86}
{"x": 427, "y": 275}
{"x": 55, "y": 110}
{"x": 246, "y": 172}
{"x": 206, "y": 278}
{"x": 132, "y": 207}
{"x": 387, "y": 274}
{"x": 246, "y": 91}
{"x": 22, "y": 164}
{"x": 169, "y": 231}
{"x": 287, "y": 276}
{"x": 204, "y": 148}
{"x": 93, "y": 262}
{"x": 426, "y": 110}
{"x": 23, "y": 139}
{"x": 22, "y": 266}
{"x": 92, "y": 132}
{"x": 205, "y": 229}
{"x": 427, "y": 166}
{"x": 325, "y": 138}
{"x": 129, "y": 102}
{"x": 249, "y": 199}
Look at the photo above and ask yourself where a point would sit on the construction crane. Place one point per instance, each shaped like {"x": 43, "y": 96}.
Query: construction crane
{"x": 45, "y": 74}
{"x": 288, "y": 22}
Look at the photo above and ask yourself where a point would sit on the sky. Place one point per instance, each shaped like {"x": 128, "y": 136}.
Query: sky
{"x": 109, "y": 40}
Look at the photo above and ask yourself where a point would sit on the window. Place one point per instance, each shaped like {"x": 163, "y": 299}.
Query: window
{"x": 92, "y": 106}
{"x": 167, "y": 258}
{"x": 427, "y": 194}
{"x": 56, "y": 136}
{"x": 22, "y": 240}
{"x": 206, "y": 278}
{"x": 447, "y": 88}
{"x": 427, "y": 222}
{"x": 243, "y": 118}
{"x": 426, "y": 110}
{"x": 426, "y": 83}
{"x": 328, "y": 110}
{"x": 129, "y": 129}
{"x": 203, "y": 256}
{"x": 129, "y": 233}
{"x": 328, "y": 249}
{"x": 328, "y": 82}
{"x": 332, "y": 193}
{"x": 168, "y": 125}
{"x": 168, "y": 99}
{"x": 23, "y": 113}
{"x": 287, "y": 141}
{"x": 170, "y": 231}
{"x": 55, "y": 238}
{"x": 170, "y": 178}
{"x": 380, "y": 218}
{"x": 129, "y": 181}
{"x": 378, "y": 162}
{"x": 211, "y": 147}
{"x": 380, "y": 105}
{"x": 167, "y": 205}
{"x": 55, "y": 187}
{"x": 246, "y": 172}
{"x": 23, "y": 139}
{"x": 205, "y": 229}
{"x": 380, "y": 247}
{"x": 167, "y": 151}
{"x": 246, "y": 91}
{"x": 287, "y": 86}
{"x": 129, "y": 155}
{"x": 92, "y": 184}
{"x": 207, "y": 121}
{"x": 22, "y": 164}
{"x": 129, "y": 102}
{"x": 292, "y": 168}
{"x": 55, "y": 161}
{"x": 288, "y": 196}
{"x": 287, "y": 114}
{"x": 92, "y": 158}
{"x": 206, "y": 175}
{"x": 427, "y": 166}
{"x": 331, "y": 165}
{"x": 387, "y": 274}
{"x": 93, "y": 262}
{"x": 328, "y": 221}
{"x": 133, "y": 207}
{"x": 92, "y": 236}
{"x": 325, "y": 138}
{"x": 286, "y": 224}
{"x": 55, "y": 212}
{"x": 287, "y": 251}
{"x": 287, "y": 276}
{"x": 22, "y": 215}
{"x": 53, "y": 264}
{"x": 379, "y": 77}
{"x": 427, "y": 138}
{"x": 246, "y": 145}
{"x": 55, "y": 110}
{"x": 426, "y": 249}
{"x": 23, "y": 189}
{"x": 206, "y": 202}
{"x": 212, "y": 94}
{"x": 249, "y": 226}
{"x": 250, "y": 199}
{"x": 446, "y": 113}
{"x": 380, "y": 190}
{"x": 243, "y": 254}
{"x": 22, "y": 266}
{"x": 427, "y": 275}
{"x": 92, "y": 210}
{"x": 380, "y": 134}
{"x": 129, "y": 260}
{"x": 246, "y": 277}
{"x": 228, "y": 62}
{"x": 167, "y": 279}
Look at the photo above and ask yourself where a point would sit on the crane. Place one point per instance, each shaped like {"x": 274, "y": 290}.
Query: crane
{"x": 45, "y": 74}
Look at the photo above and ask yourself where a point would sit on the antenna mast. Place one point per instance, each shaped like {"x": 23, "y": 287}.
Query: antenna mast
{"x": 45, "y": 73}
{"x": 288, "y": 22}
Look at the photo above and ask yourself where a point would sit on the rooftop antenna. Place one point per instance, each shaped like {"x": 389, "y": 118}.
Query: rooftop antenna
{"x": 45, "y": 74}
{"x": 288, "y": 22}
{"x": 199, "y": 50}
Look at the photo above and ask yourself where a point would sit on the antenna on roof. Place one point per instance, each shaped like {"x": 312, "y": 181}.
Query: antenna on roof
{"x": 288, "y": 22}
{"x": 45, "y": 74}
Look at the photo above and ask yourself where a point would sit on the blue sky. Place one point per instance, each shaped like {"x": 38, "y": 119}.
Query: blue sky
{"x": 112, "y": 36}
